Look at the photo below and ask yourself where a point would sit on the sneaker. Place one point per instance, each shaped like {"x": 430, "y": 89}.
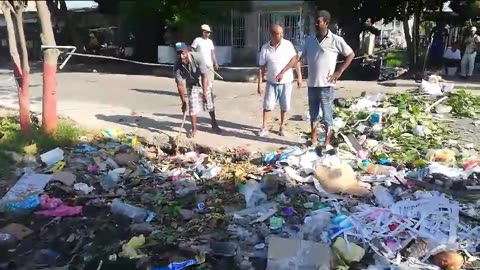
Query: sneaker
{"x": 282, "y": 133}
{"x": 328, "y": 147}
{"x": 263, "y": 132}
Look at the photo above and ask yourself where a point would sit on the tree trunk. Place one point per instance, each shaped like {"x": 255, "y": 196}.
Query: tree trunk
{"x": 50, "y": 59}
{"x": 24, "y": 87}
{"x": 20, "y": 77}
{"x": 416, "y": 32}
{"x": 406, "y": 29}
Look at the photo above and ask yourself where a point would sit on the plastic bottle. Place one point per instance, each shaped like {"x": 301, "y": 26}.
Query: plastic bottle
{"x": 137, "y": 214}
{"x": 383, "y": 196}
{"x": 376, "y": 169}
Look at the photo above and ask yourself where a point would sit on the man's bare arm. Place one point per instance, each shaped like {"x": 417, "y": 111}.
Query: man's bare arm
{"x": 298, "y": 69}
{"x": 261, "y": 73}
{"x": 181, "y": 91}
{"x": 295, "y": 60}
{"x": 214, "y": 59}
{"x": 347, "y": 62}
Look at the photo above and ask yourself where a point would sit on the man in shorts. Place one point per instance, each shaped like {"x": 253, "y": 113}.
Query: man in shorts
{"x": 321, "y": 51}
{"x": 191, "y": 76}
{"x": 204, "y": 45}
{"x": 274, "y": 56}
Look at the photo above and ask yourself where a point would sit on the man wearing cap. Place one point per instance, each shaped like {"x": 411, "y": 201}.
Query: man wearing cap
{"x": 468, "y": 60}
{"x": 204, "y": 45}
{"x": 191, "y": 76}
{"x": 321, "y": 52}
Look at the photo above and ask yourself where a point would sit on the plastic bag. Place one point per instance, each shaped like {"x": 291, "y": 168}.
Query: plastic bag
{"x": 253, "y": 194}
{"x": 130, "y": 249}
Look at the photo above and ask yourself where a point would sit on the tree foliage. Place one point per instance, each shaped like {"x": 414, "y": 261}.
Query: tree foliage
{"x": 160, "y": 15}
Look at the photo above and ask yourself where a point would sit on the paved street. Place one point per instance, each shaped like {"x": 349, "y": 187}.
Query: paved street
{"x": 151, "y": 103}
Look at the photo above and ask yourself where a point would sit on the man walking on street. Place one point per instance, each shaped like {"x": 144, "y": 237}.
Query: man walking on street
{"x": 321, "y": 52}
{"x": 204, "y": 45}
{"x": 191, "y": 76}
{"x": 274, "y": 56}
{"x": 468, "y": 59}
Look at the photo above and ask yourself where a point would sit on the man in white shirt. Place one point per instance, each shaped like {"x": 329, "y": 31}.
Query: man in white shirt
{"x": 274, "y": 55}
{"x": 468, "y": 61}
{"x": 204, "y": 45}
{"x": 321, "y": 52}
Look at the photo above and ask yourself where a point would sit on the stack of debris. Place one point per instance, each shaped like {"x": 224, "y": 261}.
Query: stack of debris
{"x": 396, "y": 192}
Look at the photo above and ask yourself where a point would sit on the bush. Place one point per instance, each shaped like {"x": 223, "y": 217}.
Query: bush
{"x": 12, "y": 139}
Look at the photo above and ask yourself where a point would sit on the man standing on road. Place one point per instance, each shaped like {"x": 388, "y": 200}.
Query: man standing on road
{"x": 468, "y": 60}
{"x": 274, "y": 56}
{"x": 204, "y": 45}
{"x": 191, "y": 76}
{"x": 321, "y": 52}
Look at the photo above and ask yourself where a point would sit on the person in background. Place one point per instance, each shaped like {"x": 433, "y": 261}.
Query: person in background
{"x": 321, "y": 52}
{"x": 452, "y": 57}
{"x": 205, "y": 46}
{"x": 471, "y": 43}
{"x": 191, "y": 76}
{"x": 275, "y": 55}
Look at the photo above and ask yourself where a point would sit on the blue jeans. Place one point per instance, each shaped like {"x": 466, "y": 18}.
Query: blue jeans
{"x": 321, "y": 98}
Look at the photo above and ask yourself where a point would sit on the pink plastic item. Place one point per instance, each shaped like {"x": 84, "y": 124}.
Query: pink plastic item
{"x": 49, "y": 203}
{"x": 61, "y": 211}
{"x": 362, "y": 154}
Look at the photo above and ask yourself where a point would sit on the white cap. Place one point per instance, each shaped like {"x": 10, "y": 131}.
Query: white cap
{"x": 473, "y": 29}
{"x": 205, "y": 27}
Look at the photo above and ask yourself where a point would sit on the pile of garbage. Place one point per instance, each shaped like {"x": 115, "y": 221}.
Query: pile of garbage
{"x": 397, "y": 192}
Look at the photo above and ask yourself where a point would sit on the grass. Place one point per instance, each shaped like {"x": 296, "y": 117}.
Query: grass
{"x": 13, "y": 140}
{"x": 400, "y": 58}
{"x": 396, "y": 59}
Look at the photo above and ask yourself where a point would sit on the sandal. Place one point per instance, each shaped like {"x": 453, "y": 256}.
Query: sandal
{"x": 191, "y": 134}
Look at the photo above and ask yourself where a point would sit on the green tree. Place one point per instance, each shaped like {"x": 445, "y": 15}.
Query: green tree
{"x": 159, "y": 15}
{"x": 352, "y": 13}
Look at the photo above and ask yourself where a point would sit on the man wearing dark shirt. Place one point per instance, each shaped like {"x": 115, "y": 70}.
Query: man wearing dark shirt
{"x": 191, "y": 76}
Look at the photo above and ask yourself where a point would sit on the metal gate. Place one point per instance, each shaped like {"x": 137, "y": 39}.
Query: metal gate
{"x": 290, "y": 20}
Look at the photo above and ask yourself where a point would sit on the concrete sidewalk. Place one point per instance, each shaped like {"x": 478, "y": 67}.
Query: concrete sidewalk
{"x": 151, "y": 105}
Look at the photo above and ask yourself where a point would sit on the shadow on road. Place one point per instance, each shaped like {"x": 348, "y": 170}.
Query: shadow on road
{"x": 156, "y": 92}
{"x": 165, "y": 124}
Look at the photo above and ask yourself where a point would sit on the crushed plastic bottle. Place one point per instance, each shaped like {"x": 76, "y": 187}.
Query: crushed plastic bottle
{"x": 376, "y": 169}
{"x": 383, "y": 196}
{"x": 137, "y": 214}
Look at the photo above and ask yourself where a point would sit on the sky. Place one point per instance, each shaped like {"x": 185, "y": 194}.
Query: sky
{"x": 80, "y": 4}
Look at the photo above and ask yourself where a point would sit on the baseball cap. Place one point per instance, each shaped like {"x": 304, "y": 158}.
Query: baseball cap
{"x": 206, "y": 28}
{"x": 181, "y": 46}
{"x": 473, "y": 29}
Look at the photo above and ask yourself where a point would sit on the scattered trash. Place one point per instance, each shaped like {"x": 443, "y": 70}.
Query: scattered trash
{"x": 83, "y": 187}
{"x": 297, "y": 254}
{"x": 397, "y": 192}
{"x": 136, "y": 214}
{"x": 52, "y": 157}
{"x": 24, "y": 194}
{"x": 17, "y": 230}
{"x": 66, "y": 178}
{"x": 130, "y": 249}
{"x": 182, "y": 265}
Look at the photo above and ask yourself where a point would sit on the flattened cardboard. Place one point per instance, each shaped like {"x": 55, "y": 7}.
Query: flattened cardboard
{"x": 297, "y": 254}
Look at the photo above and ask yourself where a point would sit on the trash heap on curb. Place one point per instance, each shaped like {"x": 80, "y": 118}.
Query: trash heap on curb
{"x": 398, "y": 192}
